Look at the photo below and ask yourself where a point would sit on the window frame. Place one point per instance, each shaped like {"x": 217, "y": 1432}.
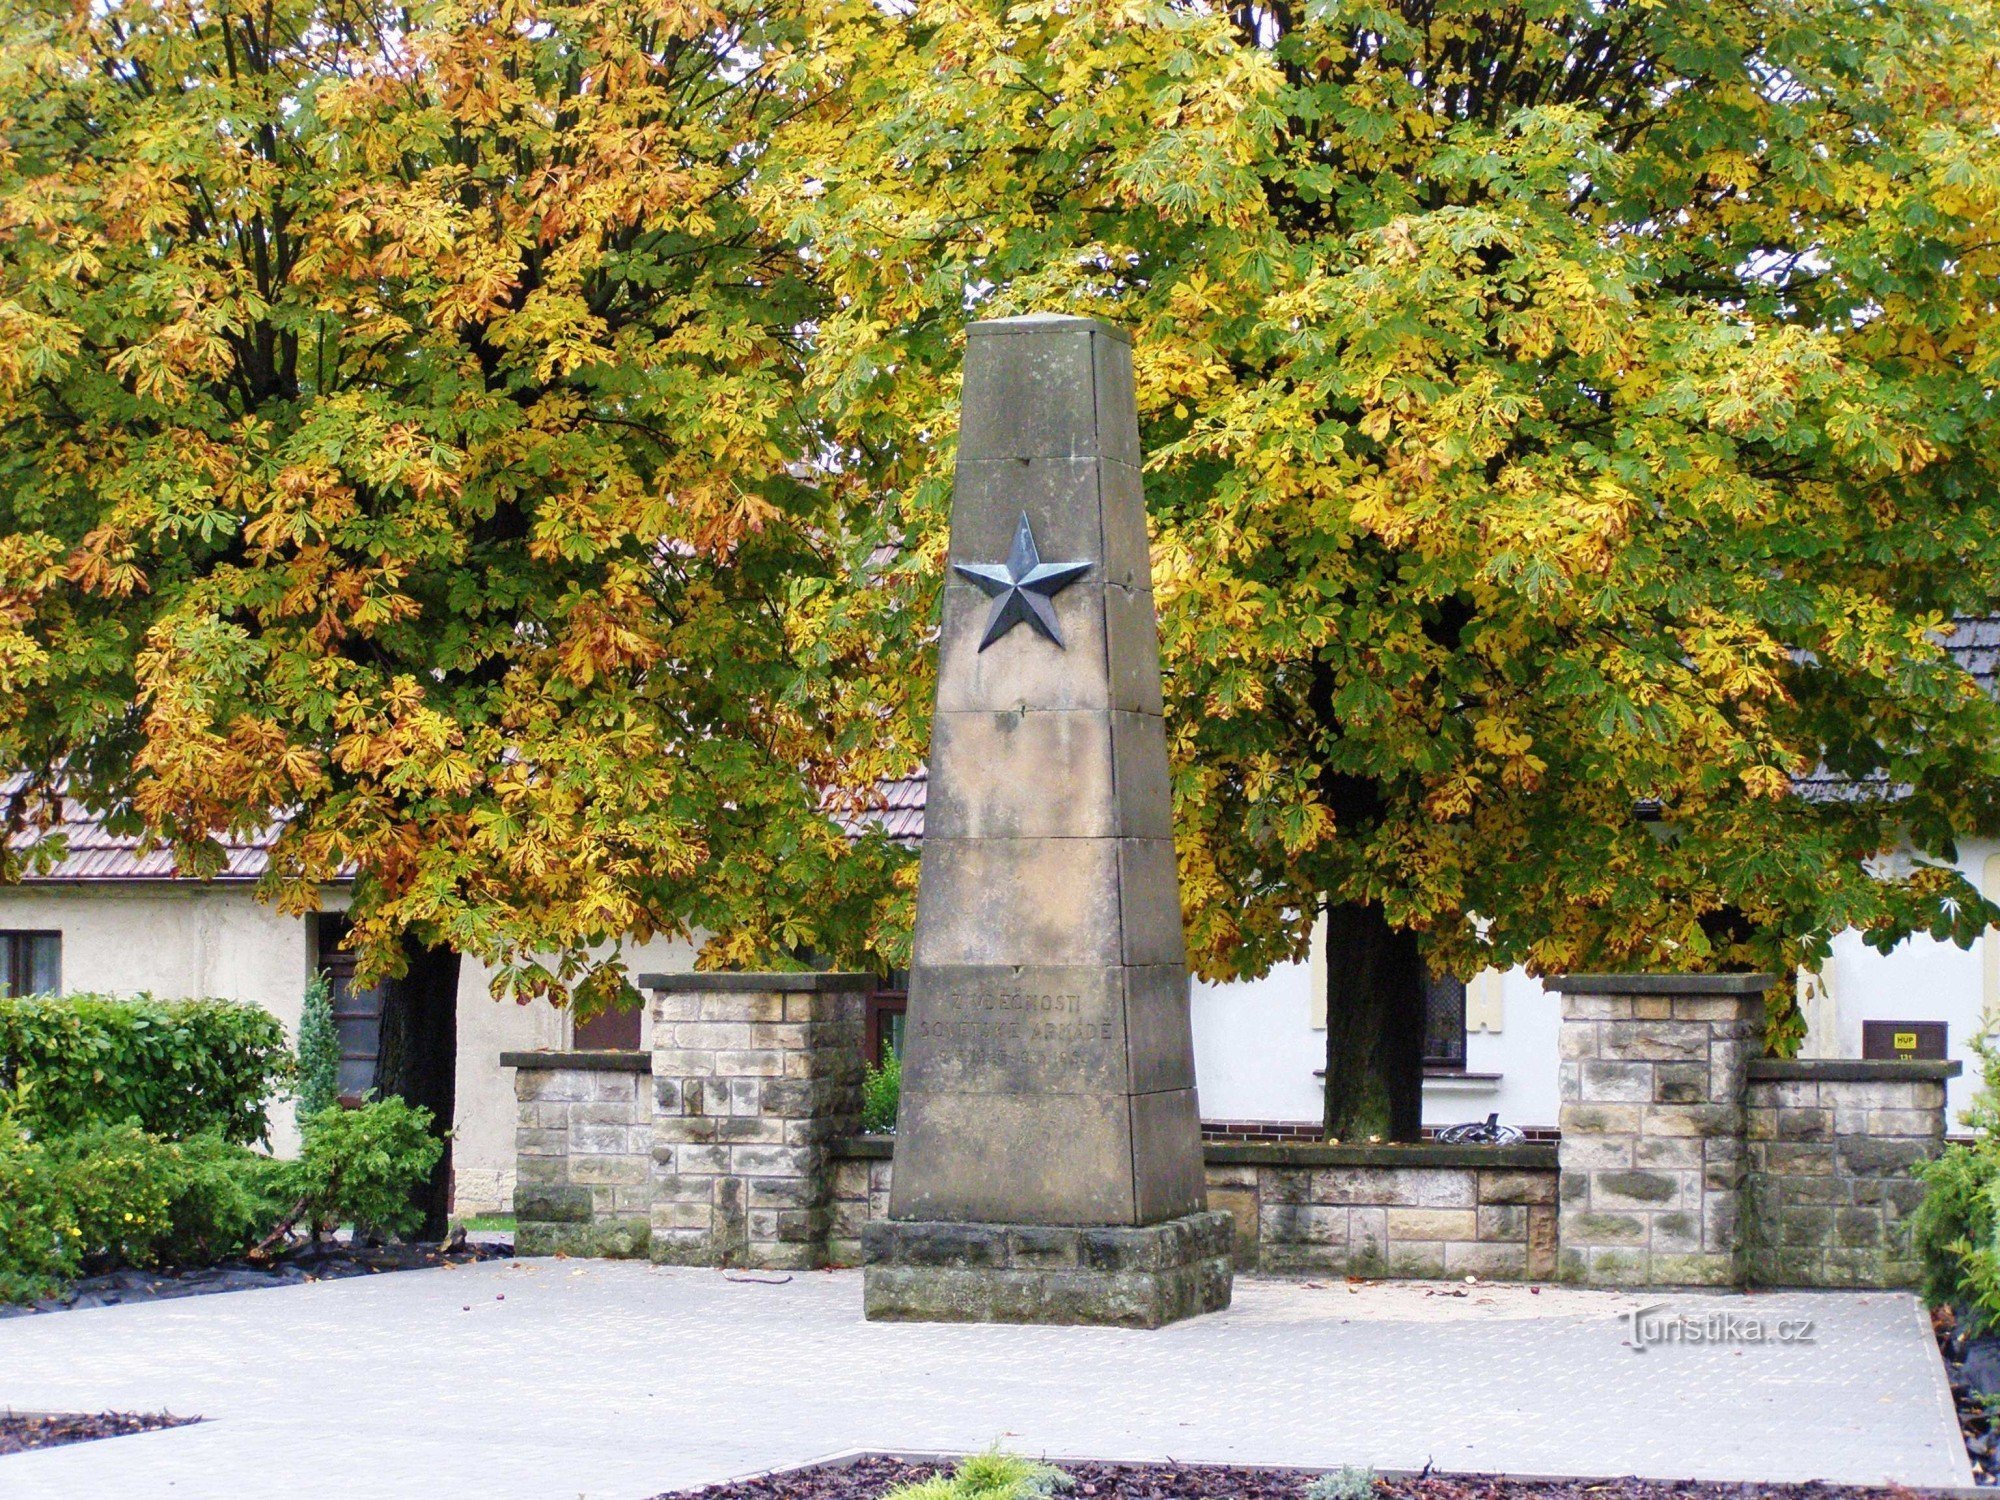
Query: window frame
{"x": 17, "y": 956}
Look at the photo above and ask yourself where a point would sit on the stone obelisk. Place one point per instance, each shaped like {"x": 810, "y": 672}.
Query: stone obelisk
{"x": 1048, "y": 1161}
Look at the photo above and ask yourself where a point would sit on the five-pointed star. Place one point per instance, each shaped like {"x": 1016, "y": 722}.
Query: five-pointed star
{"x": 1022, "y": 586}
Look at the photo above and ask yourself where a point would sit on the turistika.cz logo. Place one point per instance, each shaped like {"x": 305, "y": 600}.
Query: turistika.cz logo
{"x": 1660, "y": 1324}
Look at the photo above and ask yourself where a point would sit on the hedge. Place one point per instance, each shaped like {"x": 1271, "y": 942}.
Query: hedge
{"x": 175, "y": 1068}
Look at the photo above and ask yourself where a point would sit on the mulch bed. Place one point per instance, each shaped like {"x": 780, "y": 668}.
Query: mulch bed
{"x": 22, "y": 1430}
{"x": 1975, "y": 1408}
{"x": 869, "y": 1478}
{"x": 325, "y": 1262}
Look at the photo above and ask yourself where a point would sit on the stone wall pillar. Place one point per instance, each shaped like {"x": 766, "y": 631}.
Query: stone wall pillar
{"x": 583, "y": 1146}
{"x": 1834, "y": 1149}
{"x": 1652, "y": 1154}
{"x": 754, "y": 1077}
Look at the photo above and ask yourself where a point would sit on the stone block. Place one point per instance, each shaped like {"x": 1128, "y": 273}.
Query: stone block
{"x": 1703, "y": 1270}
{"x": 609, "y": 1170}
{"x": 1417, "y": 1258}
{"x": 1303, "y": 1223}
{"x": 1517, "y": 1187}
{"x": 1137, "y": 1277}
{"x": 1055, "y": 1159}
{"x": 1496, "y": 1262}
{"x": 1861, "y": 1156}
{"x": 552, "y": 1204}
{"x": 1603, "y": 1082}
{"x": 1600, "y": 1119}
{"x": 1543, "y": 1242}
{"x": 1692, "y": 1120}
{"x": 1655, "y": 1041}
{"x": 1595, "y": 1228}
{"x": 1033, "y": 389}
{"x": 1400, "y": 1187}
{"x": 1620, "y": 1189}
{"x": 1406, "y": 1224}
{"x": 1666, "y": 1153}
{"x": 1006, "y": 903}
{"x": 987, "y": 1029}
{"x": 1503, "y": 1221}
{"x": 1167, "y": 1179}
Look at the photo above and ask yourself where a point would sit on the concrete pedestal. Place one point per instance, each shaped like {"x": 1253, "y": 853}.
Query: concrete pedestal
{"x": 1127, "y": 1276}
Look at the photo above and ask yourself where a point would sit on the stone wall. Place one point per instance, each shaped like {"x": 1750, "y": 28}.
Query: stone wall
{"x": 754, "y": 1076}
{"x": 1832, "y": 1150}
{"x": 1652, "y": 1125}
{"x": 1682, "y": 1161}
{"x": 1414, "y": 1211}
{"x": 583, "y": 1152}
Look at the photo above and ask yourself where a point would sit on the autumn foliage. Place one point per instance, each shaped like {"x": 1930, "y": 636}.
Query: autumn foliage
{"x": 513, "y": 441}
{"x": 403, "y": 438}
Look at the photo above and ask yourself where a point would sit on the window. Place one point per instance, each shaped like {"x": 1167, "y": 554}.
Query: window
{"x": 1444, "y": 1023}
{"x": 357, "y": 1013}
{"x": 886, "y": 1006}
{"x": 30, "y": 963}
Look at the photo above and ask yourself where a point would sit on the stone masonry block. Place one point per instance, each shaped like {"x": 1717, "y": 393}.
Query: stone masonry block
{"x": 1409, "y": 1224}
{"x": 1517, "y": 1187}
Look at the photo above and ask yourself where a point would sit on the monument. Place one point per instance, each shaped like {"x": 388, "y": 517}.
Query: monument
{"x": 1048, "y": 1157}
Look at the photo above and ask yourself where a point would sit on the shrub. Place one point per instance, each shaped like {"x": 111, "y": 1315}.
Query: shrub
{"x": 882, "y": 1094}
{"x": 361, "y": 1166}
{"x": 318, "y": 1062}
{"x": 112, "y": 1195}
{"x": 175, "y": 1068}
{"x": 988, "y": 1476}
{"x": 1344, "y": 1483}
{"x": 1956, "y": 1229}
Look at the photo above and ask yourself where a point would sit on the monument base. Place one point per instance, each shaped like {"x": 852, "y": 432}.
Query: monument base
{"x": 1047, "y": 1273}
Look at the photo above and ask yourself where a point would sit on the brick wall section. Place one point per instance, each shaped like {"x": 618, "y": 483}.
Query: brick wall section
{"x": 1652, "y": 1149}
{"x": 583, "y": 1145}
{"x": 754, "y": 1075}
{"x": 1833, "y": 1148}
{"x": 860, "y": 1193}
{"x": 1421, "y": 1210}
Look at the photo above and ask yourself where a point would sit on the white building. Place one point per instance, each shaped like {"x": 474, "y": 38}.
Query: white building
{"x": 111, "y": 920}
{"x": 1258, "y": 1045}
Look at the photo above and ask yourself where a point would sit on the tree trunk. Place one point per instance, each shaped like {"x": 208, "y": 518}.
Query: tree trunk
{"x": 418, "y": 1061}
{"x": 1374, "y": 1027}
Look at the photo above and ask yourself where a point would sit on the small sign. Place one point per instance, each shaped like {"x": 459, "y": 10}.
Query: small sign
{"x": 1882, "y": 1040}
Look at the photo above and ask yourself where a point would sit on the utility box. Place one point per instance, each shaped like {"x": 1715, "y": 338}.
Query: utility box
{"x": 1882, "y": 1041}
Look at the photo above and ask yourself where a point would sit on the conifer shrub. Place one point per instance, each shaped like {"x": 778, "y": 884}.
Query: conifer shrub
{"x": 988, "y": 1476}
{"x": 362, "y": 1166}
{"x": 318, "y": 1052}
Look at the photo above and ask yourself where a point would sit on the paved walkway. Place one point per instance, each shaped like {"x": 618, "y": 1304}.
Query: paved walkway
{"x": 552, "y": 1380}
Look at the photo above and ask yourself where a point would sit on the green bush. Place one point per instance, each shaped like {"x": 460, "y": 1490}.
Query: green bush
{"x": 988, "y": 1476}
{"x": 361, "y": 1166}
{"x": 318, "y": 1061}
{"x": 175, "y": 1068}
{"x": 112, "y": 1195}
{"x": 882, "y": 1095}
{"x": 1347, "y": 1482}
{"x": 1956, "y": 1229}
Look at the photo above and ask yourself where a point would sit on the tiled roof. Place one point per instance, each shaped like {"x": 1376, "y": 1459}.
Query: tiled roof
{"x": 1975, "y": 646}
{"x": 899, "y": 810}
{"x": 94, "y": 854}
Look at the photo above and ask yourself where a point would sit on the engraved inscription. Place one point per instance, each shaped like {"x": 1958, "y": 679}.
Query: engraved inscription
{"x": 990, "y": 1028}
